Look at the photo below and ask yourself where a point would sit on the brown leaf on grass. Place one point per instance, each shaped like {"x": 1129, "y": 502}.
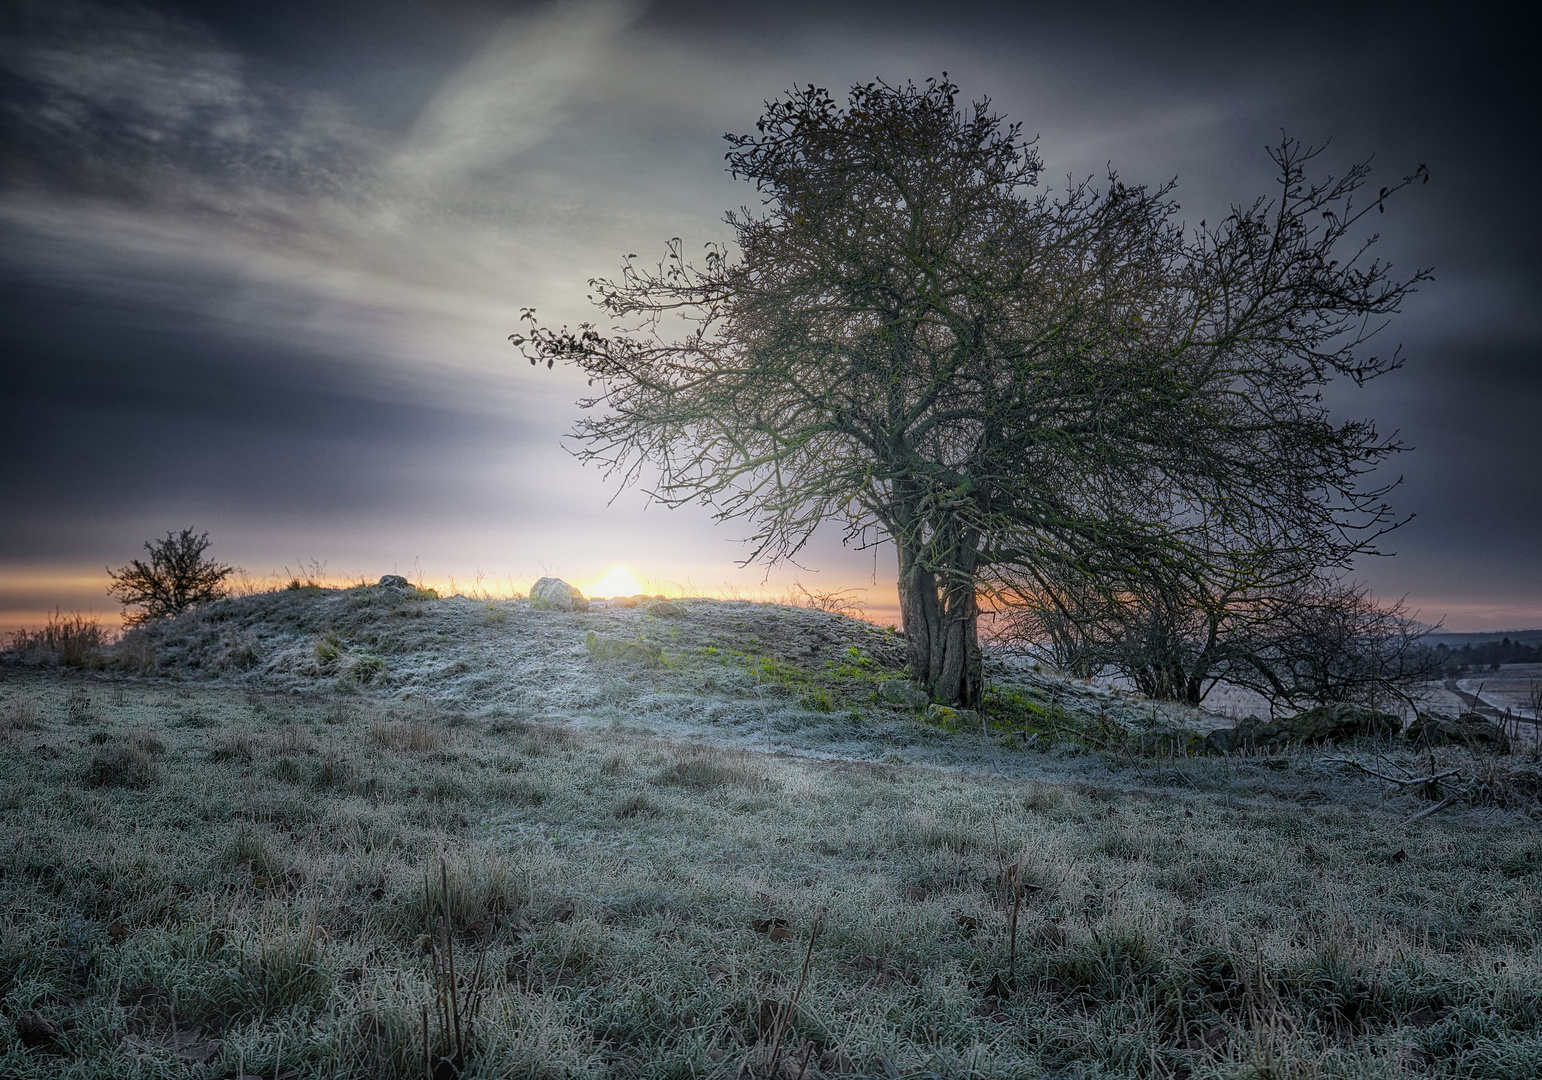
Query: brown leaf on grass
{"x": 1047, "y": 935}
{"x": 767, "y": 1015}
{"x": 1208, "y": 1041}
{"x": 188, "y": 1045}
{"x": 836, "y": 1062}
{"x": 968, "y": 923}
{"x": 999, "y": 988}
{"x": 720, "y": 973}
{"x": 765, "y": 926}
{"x": 1399, "y": 855}
{"x": 1426, "y": 1016}
{"x": 780, "y": 933}
{"x": 35, "y": 1029}
{"x": 117, "y": 931}
{"x": 199, "y": 1053}
{"x": 883, "y": 972}
{"x": 916, "y": 893}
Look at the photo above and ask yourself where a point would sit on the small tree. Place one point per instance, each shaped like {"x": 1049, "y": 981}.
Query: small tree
{"x": 177, "y": 577}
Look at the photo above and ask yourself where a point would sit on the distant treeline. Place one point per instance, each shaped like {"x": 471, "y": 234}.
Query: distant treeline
{"x": 1488, "y": 655}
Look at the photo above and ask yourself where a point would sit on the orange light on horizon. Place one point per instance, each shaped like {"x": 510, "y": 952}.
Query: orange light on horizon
{"x": 617, "y": 581}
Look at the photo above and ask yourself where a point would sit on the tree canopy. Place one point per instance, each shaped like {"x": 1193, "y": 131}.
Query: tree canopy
{"x": 909, "y": 337}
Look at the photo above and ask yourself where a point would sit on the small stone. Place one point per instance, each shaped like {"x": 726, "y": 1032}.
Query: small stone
{"x": 392, "y": 581}
{"x": 665, "y": 609}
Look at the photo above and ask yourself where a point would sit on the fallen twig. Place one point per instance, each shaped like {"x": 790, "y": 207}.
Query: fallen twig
{"x": 1414, "y": 782}
{"x": 1429, "y": 810}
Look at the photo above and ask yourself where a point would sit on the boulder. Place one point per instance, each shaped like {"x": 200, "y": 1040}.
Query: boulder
{"x": 1340, "y": 722}
{"x": 904, "y": 692}
{"x": 632, "y": 650}
{"x": 1325, "y": 723}
{"x": 393, "y": 581}
{"x": 554, "y": 594}
{"x": 1469, "y": 729}
{"x": 665, "y": 609}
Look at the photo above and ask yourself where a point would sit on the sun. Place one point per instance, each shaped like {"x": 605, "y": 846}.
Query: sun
{"x": 618, "y": 581}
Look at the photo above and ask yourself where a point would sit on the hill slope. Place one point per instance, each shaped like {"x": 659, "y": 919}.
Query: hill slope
{"x": 735, "y": 673}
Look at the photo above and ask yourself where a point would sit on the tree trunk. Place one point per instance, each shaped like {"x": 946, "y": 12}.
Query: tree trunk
{"x": 941, "y": 622}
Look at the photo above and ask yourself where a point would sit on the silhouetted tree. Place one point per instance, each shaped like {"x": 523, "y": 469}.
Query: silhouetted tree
{"x": 177, "y": 577}
{"x": 911, "y": 341}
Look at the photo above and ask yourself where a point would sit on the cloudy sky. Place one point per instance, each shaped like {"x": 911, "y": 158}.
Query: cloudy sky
{"x": 258, "y": 262}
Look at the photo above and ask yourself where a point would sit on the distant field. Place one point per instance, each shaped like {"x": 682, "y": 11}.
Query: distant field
{"x": 731, "y": 865}
{"x": 1513, "y": 686}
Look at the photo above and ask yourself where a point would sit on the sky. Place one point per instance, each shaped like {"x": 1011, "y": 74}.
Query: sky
{"x": 259, "y": 262}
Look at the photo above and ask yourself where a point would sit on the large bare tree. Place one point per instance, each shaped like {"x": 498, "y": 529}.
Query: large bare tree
{"x": 907, "y": 337}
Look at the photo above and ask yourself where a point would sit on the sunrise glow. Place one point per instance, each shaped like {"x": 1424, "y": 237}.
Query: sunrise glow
{"x": 618, "y": 581}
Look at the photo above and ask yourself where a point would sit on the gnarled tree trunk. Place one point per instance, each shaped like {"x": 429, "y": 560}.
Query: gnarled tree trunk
{"x": 941, "y": 622}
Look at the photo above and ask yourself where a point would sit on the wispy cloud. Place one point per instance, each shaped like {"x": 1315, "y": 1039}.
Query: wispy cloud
{"x": 507, "y": 98}
{"x": 148, "y": 138}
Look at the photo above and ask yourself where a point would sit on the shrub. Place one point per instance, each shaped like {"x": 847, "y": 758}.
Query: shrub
{"x": 71, "y": 640}
{"x": 328, "y": 649}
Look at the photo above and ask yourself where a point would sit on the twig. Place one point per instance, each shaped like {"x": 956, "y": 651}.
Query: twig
{"x": 449, "y": 954}
{"x": 785, "y": 1019}
{"x": 1017, "y": 903}
{"x": 1427, "y": 811}
{"x": 808, "y": 1050}
{"x": 1415, "y": 782}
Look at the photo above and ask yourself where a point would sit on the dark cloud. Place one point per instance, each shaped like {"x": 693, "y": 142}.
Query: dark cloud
{"x": 258, "y": 260}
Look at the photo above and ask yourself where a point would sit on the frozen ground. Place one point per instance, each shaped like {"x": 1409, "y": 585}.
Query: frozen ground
{"x": 733, "y": 674}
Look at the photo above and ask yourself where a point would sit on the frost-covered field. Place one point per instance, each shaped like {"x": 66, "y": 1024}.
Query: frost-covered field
{"x": 258, "y": 856}
{"x": 733, "y": 674}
